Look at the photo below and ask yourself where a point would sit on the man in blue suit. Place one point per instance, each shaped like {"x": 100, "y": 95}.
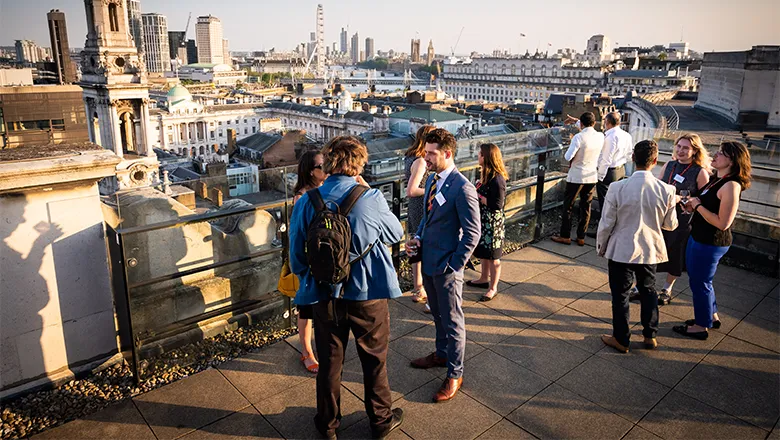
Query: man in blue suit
{"x": 447, "y": 236}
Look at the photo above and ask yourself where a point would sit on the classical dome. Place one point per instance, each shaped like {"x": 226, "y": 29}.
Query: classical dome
{"x": 177, "y": 94}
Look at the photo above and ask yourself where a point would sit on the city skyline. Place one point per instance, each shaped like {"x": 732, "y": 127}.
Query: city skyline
{"x": 702, "y": 24}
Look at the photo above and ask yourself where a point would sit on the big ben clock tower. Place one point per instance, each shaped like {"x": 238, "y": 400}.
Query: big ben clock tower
{"x": 116, "y": 95}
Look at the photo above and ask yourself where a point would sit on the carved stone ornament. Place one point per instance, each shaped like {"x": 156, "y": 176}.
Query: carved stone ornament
{"x": 138, "y": 174}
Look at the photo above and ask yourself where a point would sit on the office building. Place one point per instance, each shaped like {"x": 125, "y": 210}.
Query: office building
{"x": 208, "y": 36}
{"x": 27, "y": 52}
{"x": 355, "y": 52}
{"x": 158, "y": 54}
{"x": 136, "y": 26}
{"x": 370, "y": 48}
{"x": 192, "y": 52}
{"x": 60, "y": 49}
{"x": 415, "y": 52}
{"x": 177, "y": 45}
{"x": 42, "y": 115}
{"x": 344, "y": 41}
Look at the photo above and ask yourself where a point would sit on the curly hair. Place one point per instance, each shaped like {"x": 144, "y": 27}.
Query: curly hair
{"x": 345, "y": 155}
{"x": 740, "y": 162}
{"x": 444, "y": 139}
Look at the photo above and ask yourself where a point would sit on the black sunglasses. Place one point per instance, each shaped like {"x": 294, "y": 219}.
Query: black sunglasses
{"x": 319, "y": 167}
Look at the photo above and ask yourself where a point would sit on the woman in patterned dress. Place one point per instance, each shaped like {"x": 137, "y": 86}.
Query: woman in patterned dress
{"x": 491, "y": 190}
{"x": 416, "y": 175}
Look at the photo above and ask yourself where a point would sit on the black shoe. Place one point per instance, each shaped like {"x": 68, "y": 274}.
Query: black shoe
{"x": 683, "y": 330}
{"x": 715, "y": 324}
{"x": 664, "y": 298}
{"x": 397, "y": 420}
{"x": 479, "y": 285}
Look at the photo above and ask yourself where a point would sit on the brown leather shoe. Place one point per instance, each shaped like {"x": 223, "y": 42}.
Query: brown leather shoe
{"x": 580, "y": 242}
{"x": 448, "y": 389}
{"x": 612, "y": 342}
{"x": 429, "y": 361}
{"x": 650, "y": 343}
{"x": 561, "y": 240}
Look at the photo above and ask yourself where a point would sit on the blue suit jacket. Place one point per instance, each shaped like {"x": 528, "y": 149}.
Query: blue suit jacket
{"x": 449, "y": 233}
{"x": 373, "y": 277}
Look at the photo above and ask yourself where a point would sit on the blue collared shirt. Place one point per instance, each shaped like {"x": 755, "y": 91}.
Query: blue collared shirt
{"x": 372, "y": 222}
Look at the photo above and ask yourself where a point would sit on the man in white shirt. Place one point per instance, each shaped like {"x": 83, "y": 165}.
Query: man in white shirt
{"x": 614, "y": 155}
{"x": 583, "y": 154}
{"x": 635, "y": 211}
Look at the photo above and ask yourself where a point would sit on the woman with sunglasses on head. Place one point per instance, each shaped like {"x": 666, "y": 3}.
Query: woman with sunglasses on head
{"x": 688, "y": 171}
{"x": 713, "y": 213}
{"x": 310, "y": 176}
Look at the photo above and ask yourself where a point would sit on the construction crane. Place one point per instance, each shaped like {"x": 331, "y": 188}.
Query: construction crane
{"x": 452, "y": 49}
{"x": 179, "y": 62}
{"x": 187, "y": 26}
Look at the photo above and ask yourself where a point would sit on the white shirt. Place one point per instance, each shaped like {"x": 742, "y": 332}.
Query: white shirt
{"x": 583, "y": 153}
{"x": 617, "y": 147}
{"x": 443, "y": 177}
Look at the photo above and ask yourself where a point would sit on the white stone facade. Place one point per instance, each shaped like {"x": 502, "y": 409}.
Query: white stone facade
{"x": 526, "y": 79}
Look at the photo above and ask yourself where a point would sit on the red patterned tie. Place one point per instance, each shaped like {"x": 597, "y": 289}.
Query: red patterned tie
{"x": 432, "y": 194}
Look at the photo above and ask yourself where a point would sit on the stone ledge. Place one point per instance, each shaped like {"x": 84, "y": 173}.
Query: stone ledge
{"x": 55, "y": 164}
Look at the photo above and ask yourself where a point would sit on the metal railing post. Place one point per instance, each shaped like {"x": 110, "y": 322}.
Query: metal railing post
{"x": 397, "y": 213}
{"x": 539, "y": 202}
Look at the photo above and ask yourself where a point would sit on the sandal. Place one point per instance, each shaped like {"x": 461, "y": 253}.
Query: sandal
{"x": 473, "y": 283}
{"x": 715, "y": 323}
{"x": 486, "y": 297}
{"x": 313, "y": 368}
{"x": 683, "y": 330}
{"x": 419, "y": 295}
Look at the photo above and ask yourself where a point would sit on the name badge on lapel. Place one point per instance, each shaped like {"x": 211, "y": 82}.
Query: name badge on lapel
{"x": 679, "y": 179}
{"x": 440, "y": 199}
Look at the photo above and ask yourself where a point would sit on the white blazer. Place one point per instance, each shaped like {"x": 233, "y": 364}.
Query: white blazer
{"x": 635, "y": 211}
{"x": 583, "y": 153}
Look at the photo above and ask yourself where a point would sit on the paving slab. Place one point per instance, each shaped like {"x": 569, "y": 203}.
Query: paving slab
{"x": 473, "y": 293}
{"x": 737, "y": 298}
{"x": 775, "y": 434}
{"x": 402, "y": 377}
{"x": 504, "y": 430}
{"x": 553, "y": 286}
{"x": 362, "y": 430}
{"x": 674, "y": 341}
{"x": 638, "y": 433}
{"x": 759, "y": 332}
{"x": 768, "y": 308}
{"x": 617, "y": 389}
{"x": 523, "y": 306}
{"x": 122, "y": 420}
{"x": 292, "y": 411}
{"x": 598, "y": 304}
{"x": 422, "y": 342}
{"x": 663, "y": 364}
{"x": 736, "y": 277}
{"x": 541, "y": 353}
{"x": 681, "y": 308}
{"x": 678, "y": 416}
{"x": 568, "y": 251}
{"x": 751, "y": 401}
{"x": 459, "y": 418}
{"x": 594, "y": 259}
{"x": 576, "y": 328}
{"x": 500, "y": 384}
{"x": 590, "y": 276}
{"x": 557, "y": 413}
{"x": 246, "y": 424}
{"x": 189, "y": 404}
{"x": 746, "y": 359}
{"x": 775, "y": 293}
{"x": 487, "y": 326}
{"x": 269, "y": 371}
{"x": 406, "y": 319}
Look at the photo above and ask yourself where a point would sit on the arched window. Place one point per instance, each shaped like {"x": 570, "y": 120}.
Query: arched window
{"x": 533, "y": 70}
{"x": 522, "y": 70}
{"x": 555, "y": 71}
{"x": 514, "y": 70}
{"x": 113, "y": 19}
{"x": 503, "y": 69}
{"x": 495, "y": 68}
{"x": 544, "y": 70}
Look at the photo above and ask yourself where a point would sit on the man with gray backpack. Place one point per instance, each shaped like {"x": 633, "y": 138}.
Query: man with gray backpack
{"x": 338, "y": 234}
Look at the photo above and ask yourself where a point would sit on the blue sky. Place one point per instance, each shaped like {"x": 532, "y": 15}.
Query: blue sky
{"x": 262, "y": 24}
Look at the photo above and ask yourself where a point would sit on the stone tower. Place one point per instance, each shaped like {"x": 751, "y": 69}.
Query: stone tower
{"x": 116, "y": 94}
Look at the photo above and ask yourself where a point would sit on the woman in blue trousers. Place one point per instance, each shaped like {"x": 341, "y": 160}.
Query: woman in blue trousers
{"x": 713, "y": 213}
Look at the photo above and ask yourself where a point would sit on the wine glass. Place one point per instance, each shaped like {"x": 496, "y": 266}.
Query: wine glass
{"x": 684, "y": 194}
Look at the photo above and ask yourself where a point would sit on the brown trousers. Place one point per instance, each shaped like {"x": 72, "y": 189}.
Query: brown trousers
{"x": 369, "y": 322}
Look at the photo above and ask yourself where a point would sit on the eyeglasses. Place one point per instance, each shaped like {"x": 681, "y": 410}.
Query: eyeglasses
{"x": 319, "y": 167}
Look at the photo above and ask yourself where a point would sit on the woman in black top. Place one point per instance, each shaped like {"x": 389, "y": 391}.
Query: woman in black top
{"x": 713, "y": 213}
{"x": 688, "y": 171}
{"x": 491, "y": 190}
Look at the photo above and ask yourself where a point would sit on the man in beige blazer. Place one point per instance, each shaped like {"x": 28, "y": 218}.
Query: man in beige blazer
{"x": 629, "y": 235}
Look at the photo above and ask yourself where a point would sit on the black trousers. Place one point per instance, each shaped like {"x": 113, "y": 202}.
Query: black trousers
{"x": 621, "y": 276}
{"x": 369, "y": 322}
{"x": 585, "y": 191}
{"x": 613, "y": 175}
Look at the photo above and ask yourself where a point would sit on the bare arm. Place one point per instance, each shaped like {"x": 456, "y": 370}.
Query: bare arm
{"x": 702, "y": 179}
{"x": 413, "y": 185}
{"x": 663, "y": 170}
{"x": 573, "y": 148}
{"x": 729, "y": 203}
{"x": 670, "y": 218}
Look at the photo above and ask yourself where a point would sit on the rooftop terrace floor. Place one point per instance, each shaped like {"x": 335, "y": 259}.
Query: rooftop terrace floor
{"x": 535, "y": 368}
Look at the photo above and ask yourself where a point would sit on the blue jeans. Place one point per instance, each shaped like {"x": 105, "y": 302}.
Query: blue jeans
{"x": 702, "y": 261}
